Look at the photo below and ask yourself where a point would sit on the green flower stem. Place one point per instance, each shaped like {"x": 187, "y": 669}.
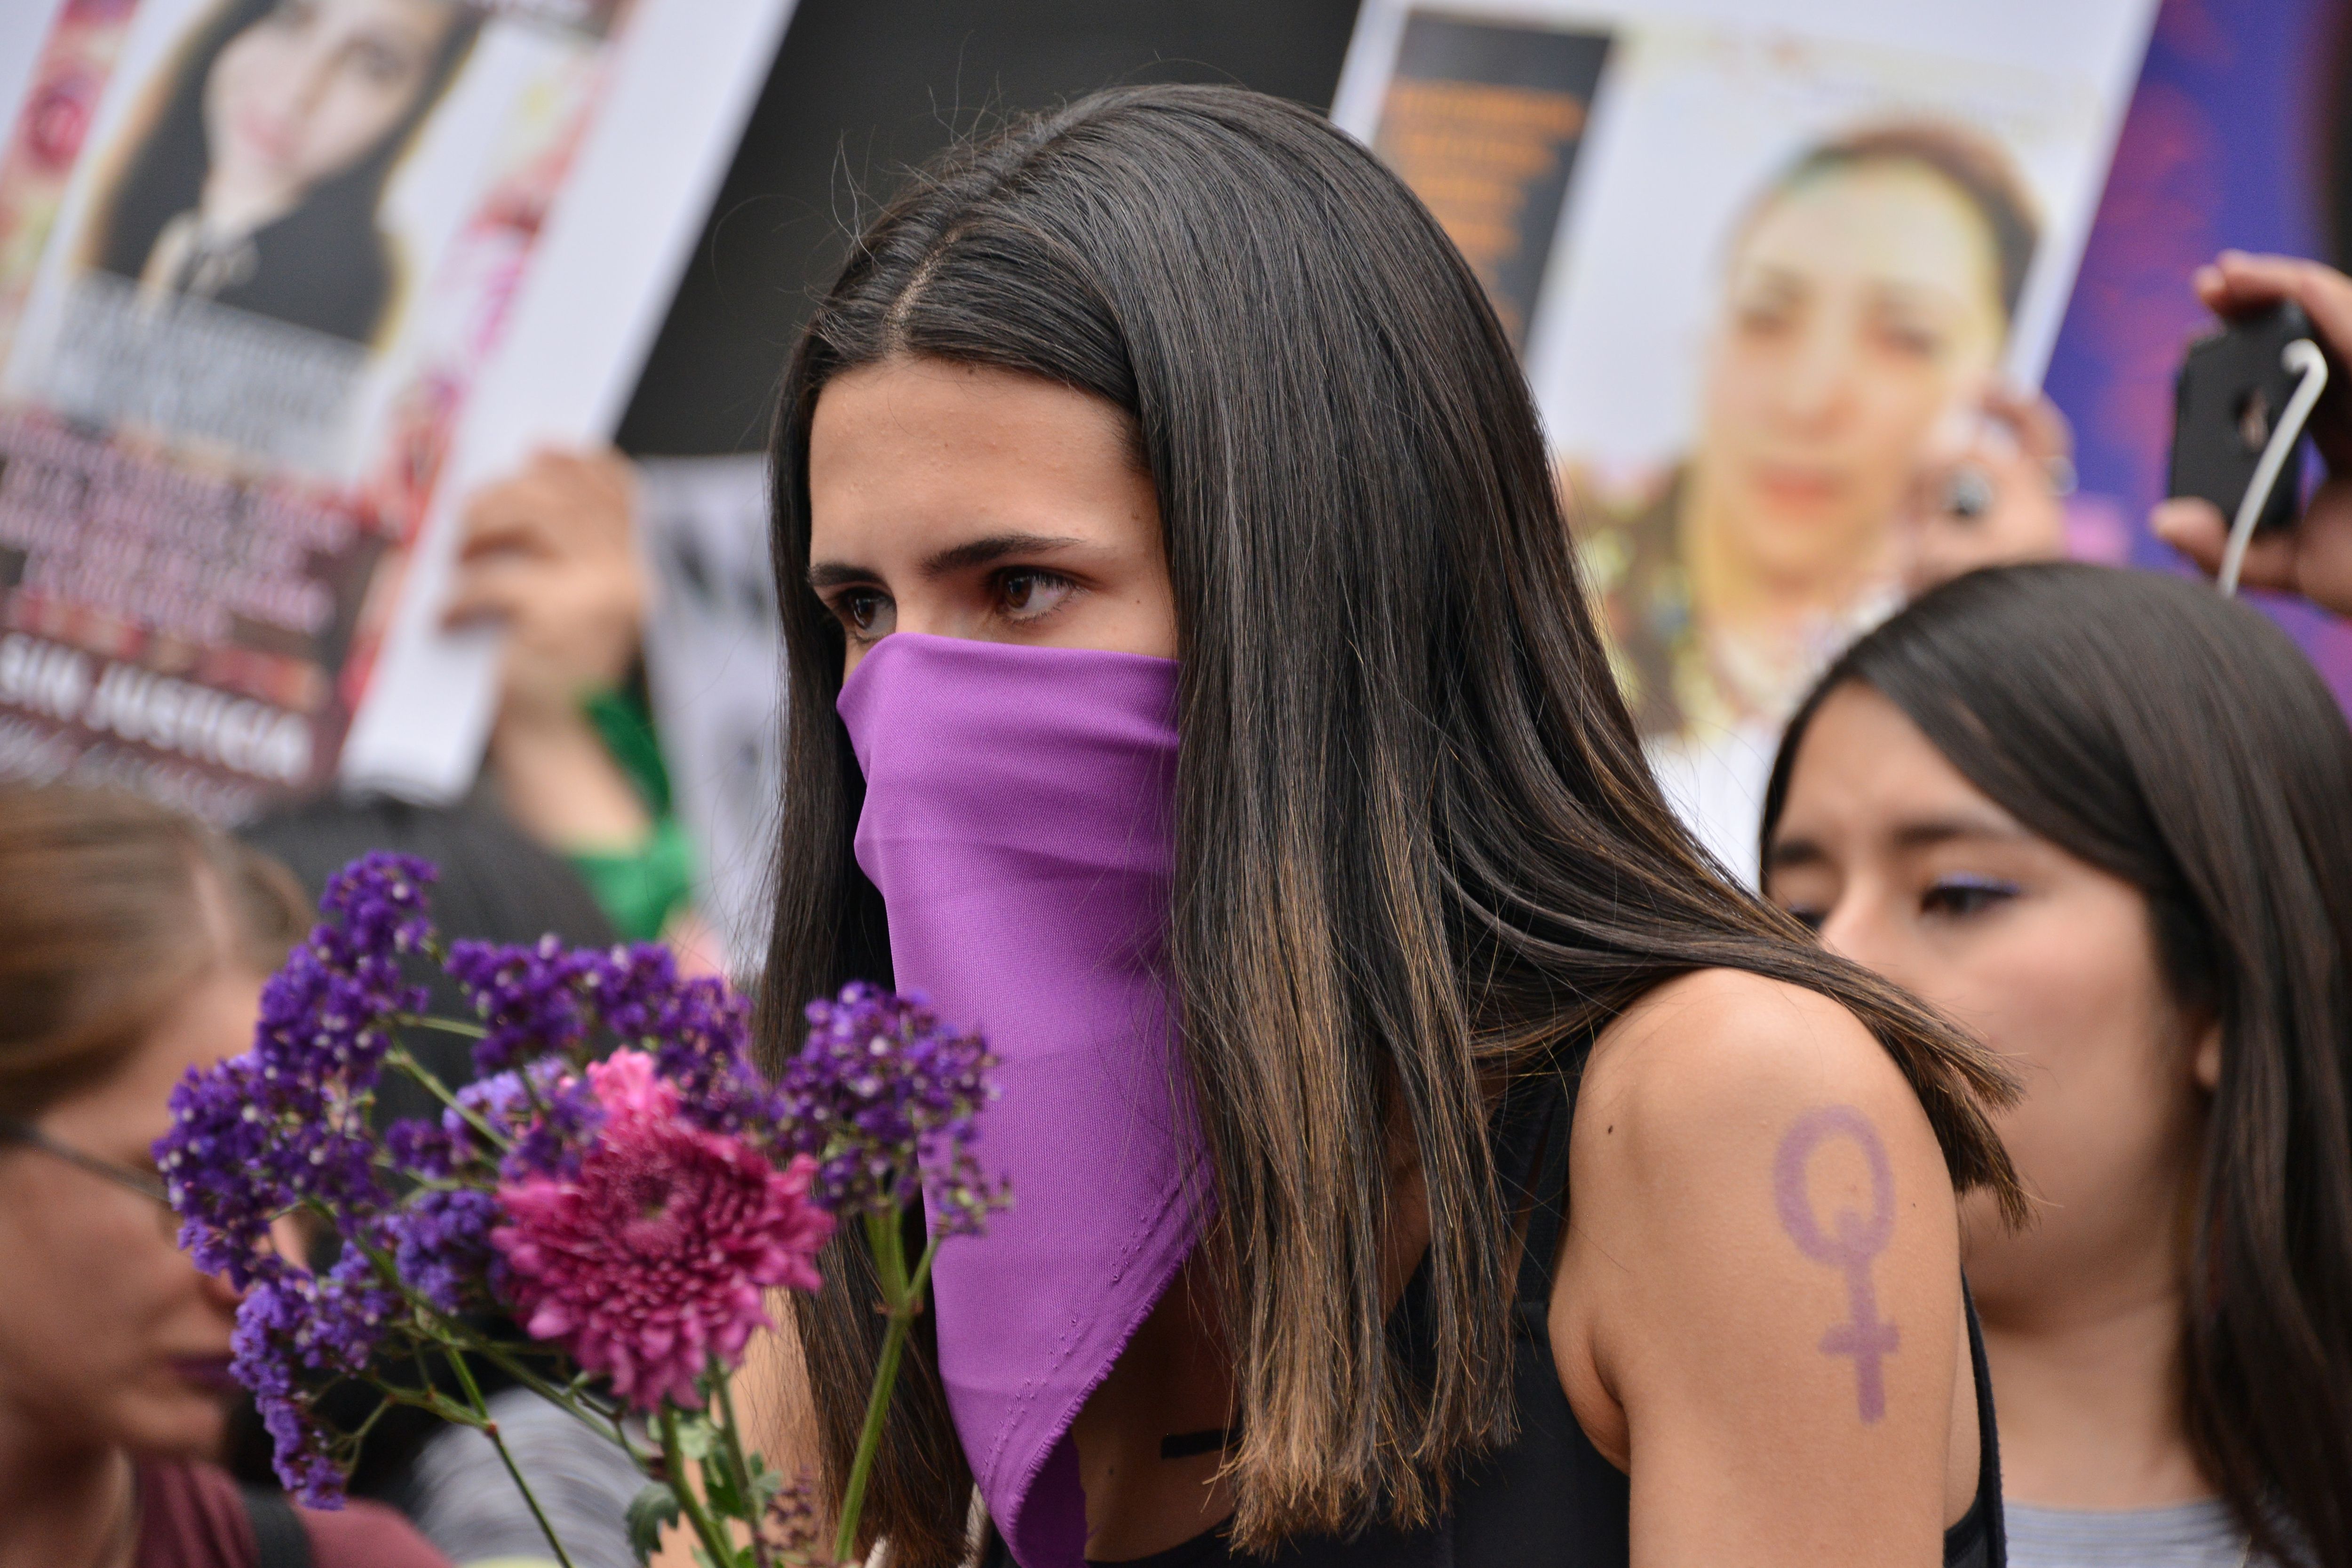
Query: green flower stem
{"x": 398, "y": 1057}
{"x": 586, "y": 1411}
{"x": 490, "y": 1430}
{"x": 714, "y": 1540}
{"x": 452, "y": 1336}
{"x": 731, "y": 1447}
{"x": 903, "y": 1299}
{"x": 446, "y": 1026}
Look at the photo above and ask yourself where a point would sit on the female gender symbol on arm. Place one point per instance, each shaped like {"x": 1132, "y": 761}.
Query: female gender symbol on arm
{"x": 1857, "y": 1240}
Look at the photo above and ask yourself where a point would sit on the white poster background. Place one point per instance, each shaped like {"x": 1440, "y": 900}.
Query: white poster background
{"x": 714, "y": 663}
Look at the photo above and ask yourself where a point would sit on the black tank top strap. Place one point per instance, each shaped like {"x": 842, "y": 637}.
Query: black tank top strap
{"x": 1980, "y": 1539}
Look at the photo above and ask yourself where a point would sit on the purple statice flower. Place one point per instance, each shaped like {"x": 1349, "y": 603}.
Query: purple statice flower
{"x": 441, "y": 1245}
{"x": 529, "y": 996}
{"x": 284, "y": 1127}
{"x": 885, "y": 1098}
{"x": 697, "y": 1029}
{"x": 378, "y": 903}
{"x": 329, "y": 1013}
{"x": 296, "y": 1330}
{"x": 545, "y": 1125}
{"x": 212, "y": 1161}
{"x": 426, "y": 1151}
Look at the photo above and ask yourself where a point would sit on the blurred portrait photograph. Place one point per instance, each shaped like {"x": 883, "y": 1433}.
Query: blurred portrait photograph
{"x": 277, "y": 201}
{"x": 1820, "y": 249}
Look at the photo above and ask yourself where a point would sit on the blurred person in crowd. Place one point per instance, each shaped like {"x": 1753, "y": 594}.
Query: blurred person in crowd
{"x": 550, "y": 555}
{"x": 133, "y": 945}
{"x": 2314, "y": 558}
{"x": 257, "y": 181}
{"x": 1160, "y": 512}
{"x": 1867, "y": 295}
{"x": 497, "y": 884}
{"x": 2099, "y": 817}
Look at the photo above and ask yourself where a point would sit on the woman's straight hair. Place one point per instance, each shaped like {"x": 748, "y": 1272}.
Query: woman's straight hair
{"x": 1418, "y": 853}
{"x": 2178, "y": 741}
{"x": 111, "y": 907}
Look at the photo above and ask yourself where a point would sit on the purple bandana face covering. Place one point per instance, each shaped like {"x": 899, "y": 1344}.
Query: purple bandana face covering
{"x": 1016, "y": 821}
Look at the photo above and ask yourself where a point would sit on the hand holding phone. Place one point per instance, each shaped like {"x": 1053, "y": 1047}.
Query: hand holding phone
{"x": 2235, "y": 390}
{"x": 2314, "y": 557}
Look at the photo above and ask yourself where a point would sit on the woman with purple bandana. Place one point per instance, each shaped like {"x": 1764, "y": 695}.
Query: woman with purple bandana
{"x": 1193, "y": 688}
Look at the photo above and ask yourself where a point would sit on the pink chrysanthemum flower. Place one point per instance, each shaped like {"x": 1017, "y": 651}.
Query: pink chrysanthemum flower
{"x": 652, "y": 1259}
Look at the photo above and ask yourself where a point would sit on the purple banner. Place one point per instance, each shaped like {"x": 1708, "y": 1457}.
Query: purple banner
{"x": 2224, "y": 146}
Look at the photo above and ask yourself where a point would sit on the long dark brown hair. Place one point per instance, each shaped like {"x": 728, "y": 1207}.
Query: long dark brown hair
{"x": 1418, "y": 852}
{"x": 2180, "y": 741}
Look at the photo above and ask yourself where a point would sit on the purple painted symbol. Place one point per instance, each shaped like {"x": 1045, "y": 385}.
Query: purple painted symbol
{"x": 1857, "y": 1239}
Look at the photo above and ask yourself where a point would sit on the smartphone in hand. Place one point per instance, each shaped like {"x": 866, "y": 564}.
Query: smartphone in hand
{"x": 2232, "y": 387}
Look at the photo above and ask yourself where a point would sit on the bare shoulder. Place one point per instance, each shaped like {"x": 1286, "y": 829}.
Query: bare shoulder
{"x": 1713, "y": 1050}
{"x": 1761, "y": 1259}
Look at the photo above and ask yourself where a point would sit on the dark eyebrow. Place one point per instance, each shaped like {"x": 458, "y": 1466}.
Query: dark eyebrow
{"x": 994, "y": 547}
{"x": 1785, "y": 854}
{"x": 962, "y": 557}
{"x": 835, "y": 573}
{"x": 1945, "y": 829}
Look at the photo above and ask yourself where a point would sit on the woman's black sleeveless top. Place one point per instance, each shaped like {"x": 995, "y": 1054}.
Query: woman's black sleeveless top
{"x": 1549, "y": 1498}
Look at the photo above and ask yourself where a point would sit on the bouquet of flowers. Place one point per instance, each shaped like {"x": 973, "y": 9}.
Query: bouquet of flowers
{"x": 600, "y": 1216}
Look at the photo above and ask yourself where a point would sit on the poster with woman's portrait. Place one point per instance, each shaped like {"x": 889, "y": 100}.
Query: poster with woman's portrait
{"x": 1756, "y": 270}
{"x": 258, "y": 262}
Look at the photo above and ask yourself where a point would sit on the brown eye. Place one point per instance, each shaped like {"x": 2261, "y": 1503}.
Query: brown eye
{"x": 1025, "y": 593}
{"x": 1962, "y": 897}
{"x": 859, "y": 609}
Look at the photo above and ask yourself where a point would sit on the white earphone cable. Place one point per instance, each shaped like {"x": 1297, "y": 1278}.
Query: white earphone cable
{"x": 2302, "y": 356}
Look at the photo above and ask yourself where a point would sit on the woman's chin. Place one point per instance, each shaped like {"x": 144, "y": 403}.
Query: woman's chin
{"x": 1801, "y": 540}
{"x": 179, "y": 1422}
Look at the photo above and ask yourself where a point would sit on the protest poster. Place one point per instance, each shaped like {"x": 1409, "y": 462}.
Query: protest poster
{"x": 279, "y": 281}
{"x": 1751, "y": 261}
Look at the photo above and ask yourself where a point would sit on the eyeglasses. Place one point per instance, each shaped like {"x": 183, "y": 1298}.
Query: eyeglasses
{"x": 145, "y": 1185}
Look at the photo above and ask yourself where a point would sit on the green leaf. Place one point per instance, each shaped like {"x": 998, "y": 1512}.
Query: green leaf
{"x": 650, "y": 1511}
{"x": 696, "y": 1439}
{"x": 719, "y": 1491}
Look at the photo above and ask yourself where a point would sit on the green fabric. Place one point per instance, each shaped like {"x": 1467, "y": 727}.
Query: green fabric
{"x": 626, "y": 728}
{"x": 640, "y": 889}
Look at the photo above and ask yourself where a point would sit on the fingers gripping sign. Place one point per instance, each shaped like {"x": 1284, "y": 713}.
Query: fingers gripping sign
{"x": 1850, "y": 1243}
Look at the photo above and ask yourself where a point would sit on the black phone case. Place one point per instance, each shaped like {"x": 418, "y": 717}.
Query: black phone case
{"x": 2232, "y": 389}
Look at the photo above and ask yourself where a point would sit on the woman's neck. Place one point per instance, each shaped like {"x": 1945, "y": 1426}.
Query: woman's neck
{"x": 2088, "y": 1387}
{"x": 229, "y": 209}
{"x": 64, "y": 1509}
